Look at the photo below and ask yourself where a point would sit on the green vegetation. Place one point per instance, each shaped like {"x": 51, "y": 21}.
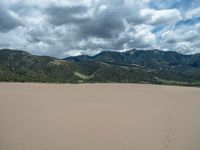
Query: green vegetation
{"x": 158, "y": 67}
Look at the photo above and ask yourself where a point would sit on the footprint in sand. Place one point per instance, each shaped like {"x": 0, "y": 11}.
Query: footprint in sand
{"x": 170, "y": 132}
{"x": 169, "y": 137}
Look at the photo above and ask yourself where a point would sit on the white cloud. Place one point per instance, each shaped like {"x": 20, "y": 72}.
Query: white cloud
{"x": 193, "y": 13}
{"x": 169, "y": 36}
{"x": 143, "y": 32}
{"x": 183, "y": 39}
{"x": 157, "y": 17}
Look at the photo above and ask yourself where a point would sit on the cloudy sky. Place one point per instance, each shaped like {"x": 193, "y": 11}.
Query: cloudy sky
{"x": 63, "y": 28}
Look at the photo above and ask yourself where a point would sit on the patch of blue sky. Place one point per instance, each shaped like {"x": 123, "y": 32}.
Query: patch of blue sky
{"x": 164, "y": 4}
{"x": 158, "y": 28}
{"x": 187, "y": 22}
{"x": 182, "y": 5}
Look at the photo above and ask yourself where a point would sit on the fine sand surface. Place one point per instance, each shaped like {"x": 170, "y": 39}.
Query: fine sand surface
{"x": 98, "y": 117}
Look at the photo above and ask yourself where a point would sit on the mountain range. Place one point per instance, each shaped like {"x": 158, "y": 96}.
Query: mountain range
{"x": 134, "y": 66}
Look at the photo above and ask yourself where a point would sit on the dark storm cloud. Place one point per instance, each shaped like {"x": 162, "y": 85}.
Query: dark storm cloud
{"x": 59, "y": 15}
{"x": 105, "y": 25}
{"x": 7, "y": 21}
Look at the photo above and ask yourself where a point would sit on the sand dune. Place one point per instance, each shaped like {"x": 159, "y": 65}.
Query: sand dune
{"x": 98, "y": 117}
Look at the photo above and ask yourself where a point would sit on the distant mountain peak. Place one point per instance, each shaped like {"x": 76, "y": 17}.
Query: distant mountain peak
{"x": 134, "y": 66}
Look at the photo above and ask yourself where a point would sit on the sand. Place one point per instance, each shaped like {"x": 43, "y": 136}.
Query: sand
{"x": 98, "y": 117}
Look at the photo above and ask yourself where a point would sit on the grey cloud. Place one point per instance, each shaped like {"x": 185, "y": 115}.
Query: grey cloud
{"x": 104, "y": 25}
{"x": 59, "y": 15}
{"x": 7, "y": 21}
